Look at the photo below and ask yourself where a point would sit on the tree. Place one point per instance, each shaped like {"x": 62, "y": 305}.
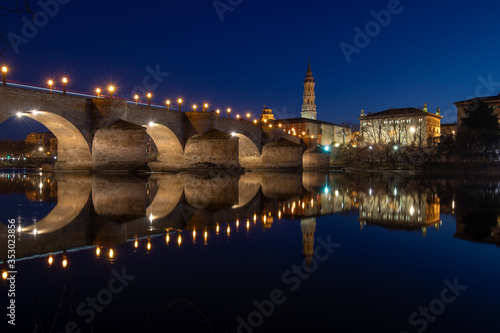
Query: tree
{"x": 480, "y": 130}
{"x": 19, "y": 7}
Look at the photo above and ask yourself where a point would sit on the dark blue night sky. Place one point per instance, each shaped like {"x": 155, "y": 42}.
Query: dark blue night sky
{"x": 434, "y": 52}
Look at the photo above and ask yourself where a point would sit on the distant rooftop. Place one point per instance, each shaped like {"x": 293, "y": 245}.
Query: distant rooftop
{"x": 484, "y": 99}
{"x": 399, "y": 112}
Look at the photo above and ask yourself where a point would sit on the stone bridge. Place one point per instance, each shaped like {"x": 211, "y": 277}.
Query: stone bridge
{"x": 106, "y": 134}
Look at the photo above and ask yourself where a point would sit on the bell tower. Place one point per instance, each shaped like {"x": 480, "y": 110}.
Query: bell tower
{"x": 309, "y": 105}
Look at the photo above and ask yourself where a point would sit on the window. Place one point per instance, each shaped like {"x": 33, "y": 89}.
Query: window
{"x": 300, "y": 125}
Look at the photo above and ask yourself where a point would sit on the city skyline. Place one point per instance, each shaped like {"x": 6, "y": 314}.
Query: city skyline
{"x": 229, "y": 55}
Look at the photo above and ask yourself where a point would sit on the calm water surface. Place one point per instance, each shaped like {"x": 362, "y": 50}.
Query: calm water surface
{"x": 253, "y": 253}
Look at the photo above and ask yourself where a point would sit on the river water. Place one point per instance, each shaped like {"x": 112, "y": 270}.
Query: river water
{"x": 259, "y": 252}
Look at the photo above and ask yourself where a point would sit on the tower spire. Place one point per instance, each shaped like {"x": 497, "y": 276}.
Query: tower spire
{"x": 309, "y": 105}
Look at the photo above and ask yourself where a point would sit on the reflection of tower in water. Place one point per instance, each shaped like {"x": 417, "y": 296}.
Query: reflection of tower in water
{"x": 308, "y": 227}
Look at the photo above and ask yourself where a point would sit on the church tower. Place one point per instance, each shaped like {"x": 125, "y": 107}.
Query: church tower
{"x": 309, "y": 106}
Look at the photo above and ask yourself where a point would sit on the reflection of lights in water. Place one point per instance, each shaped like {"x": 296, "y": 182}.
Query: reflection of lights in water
{"x": 35, "y": 232}
{"x": 248, "y": 225}
{"x": 149, "y": 246}
{"x": 111, "y": 253}
{"x": 412, "y": 210}
{"x": 303, "y": 205}
{"x": 205, "y": 235}
{"x": 326, "y": 189}
{"x": 65, "y": 263}
{"x": 217, "y": 228}
{"x": 5, "y": 275}
{"x": 136, "y": 244}
{"x": 336, "y": 193}
{"x": 151, "y": 218}
{"x": 194, "y": 233}
{"x": 98, "y": 250}
{"x": 370, "y": 192}
{"x": 167, "y": 239}
{"x": 237, "y": 223}
{"x": 279, "y": 214}
{"x": 312, "y": 203}
{"x": 395, "y": 191}
{"x": 453, "y": 204}
{"x": 254, "y": 218}
{"x": 51, "y": 260}
{"x": 265, "y": 219}
{"x": 293, "y": 206}
{"x": 292, "y": 210}
{"x": 228, "y": 229}
{"x": 179, "y": 240}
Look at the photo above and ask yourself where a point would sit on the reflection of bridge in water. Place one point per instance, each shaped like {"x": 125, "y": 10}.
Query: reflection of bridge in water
{"x": 110, "y": 210}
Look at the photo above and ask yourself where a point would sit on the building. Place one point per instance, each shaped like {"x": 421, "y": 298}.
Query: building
{"x": 312, "y": 131}
{"x": 41, "y": 145}
{"x": 402, "y": 126}
{"x": 449, "y": 129}
{"x": 462, "y": 106}
{"x": 309, "y": 105}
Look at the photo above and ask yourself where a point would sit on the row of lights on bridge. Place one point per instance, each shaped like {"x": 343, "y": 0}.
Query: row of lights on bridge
{"x": 111, "y": 89}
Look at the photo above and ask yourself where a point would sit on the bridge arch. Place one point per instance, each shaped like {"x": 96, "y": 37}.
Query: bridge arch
{"x": 170, "y": 151}
{"x": 249, "y": 154}
{"x": 73, "y": 150}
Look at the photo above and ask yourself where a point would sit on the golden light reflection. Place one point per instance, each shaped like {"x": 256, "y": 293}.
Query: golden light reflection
{"x": 5, "y": 275}
{"x": 194, "y": 233}
{"x": 217, "y": 228}
{"x": 51, "y": 260}
{"x": 111, "y": 253}
{"x": 228, "y": 230}
{"x": 179, "y": 240}
{"x": 248, "y": 225}
{"x": 136, "y": 244}
{"x": 98, "y": 251}
{"x": 279, "y": 214}
{"x": 65, "y": 262}
{"x": 237, "y": 223}
{"x": 167, "y": 239}
{"x": 254, "y": 218}
{"x": 205, "y": 236}
{"x": 149, "y": 245}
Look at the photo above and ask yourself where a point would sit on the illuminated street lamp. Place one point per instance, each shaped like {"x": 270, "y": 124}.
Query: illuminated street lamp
{"x": 238, "y": 116}
{"x": 4, "y": 74}
{"x": 218, "y": 112}
{"x": 229, "y": 112}
{"x": 98, "y": 91}
{"x": 248, "y": 116}
{"x": 255, "y": 121}
{"x": 64, "y": 80}
{"x": 180, "y": 103}
{"x": 194, "y": 107}
{"x": 149, "y": 99}
{"x": 168, "y": 104}
{"x": 136, "y": 97}
{"x": 205, "y": 107}
{"x": 111, "y": 89}
{"x": 51, "y": 83}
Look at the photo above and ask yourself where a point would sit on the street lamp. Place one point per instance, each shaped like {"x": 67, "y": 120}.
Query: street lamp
{"x": 149, "y": 99}
{"x": 248, "y": 116}
{"x": 168, "y": 104}
{"x": 255, "y": 121}
{"x": 205, "y": 107}
{"x": 64, "y": 80}
{"x": 98, "y": 91}
{"x": 180, "y": 103}
{"x": 4, "y": 74}
{"x": 229, "y": 112}
{"x": 111, "y": 89}
{"x": 218, "y": 112}
{"x": 194, "y": 107}
{"x": 238, "y": 116}
{"x": 51, "y": 83}
{"x": 136, "y": 97}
